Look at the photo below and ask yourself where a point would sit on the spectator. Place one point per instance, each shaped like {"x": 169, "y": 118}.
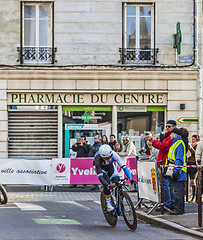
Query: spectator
{"x": 104, "y": 140}
{"x": 148, "y": 137}
{"x": 153, "y": 151}
{"x": 112, "y": 141}
{"x": 191, "y": 161}
{"x": 199, "y": 156}
{"x": 163, "y": 148}
{"x": 128, "y": 148}
{"x": 157, "y": 137}
{"x": 117, "y": 147}
{"x": 184, "y": 136}
{"x": 81, "y": 148}
{"x": 93, "y": 149}
{"x": 177, "y": 156}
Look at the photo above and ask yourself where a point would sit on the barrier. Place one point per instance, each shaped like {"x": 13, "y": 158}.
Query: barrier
{"x": 55, "y": 172}
{"x": 148, "y": 187}
{"x": 21, "y": 171}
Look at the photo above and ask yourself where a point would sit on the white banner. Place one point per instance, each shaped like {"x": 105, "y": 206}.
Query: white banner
{"x": 147, "y": 180}
{"x": 60, "y": 171}
{"x": 22, "y": 171}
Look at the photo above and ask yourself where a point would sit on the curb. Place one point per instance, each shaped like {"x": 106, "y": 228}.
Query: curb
{"x": 167, "y": 224}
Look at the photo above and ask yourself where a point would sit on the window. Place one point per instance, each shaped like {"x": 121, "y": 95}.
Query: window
{"x": 37, "y": 40}
{"x": 138, "y": 33}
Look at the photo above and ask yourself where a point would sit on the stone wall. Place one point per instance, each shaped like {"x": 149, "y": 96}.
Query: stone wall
{"x": 90, "y": 32}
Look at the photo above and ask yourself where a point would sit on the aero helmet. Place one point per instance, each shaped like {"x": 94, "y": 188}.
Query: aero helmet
{"x": 105, "y": 151}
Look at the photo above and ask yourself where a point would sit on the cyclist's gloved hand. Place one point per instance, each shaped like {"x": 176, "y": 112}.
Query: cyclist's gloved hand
{"x": 132, "y": 182}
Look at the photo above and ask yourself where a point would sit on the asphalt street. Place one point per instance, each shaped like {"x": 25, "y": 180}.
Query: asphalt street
{"x": 55, "y": 216}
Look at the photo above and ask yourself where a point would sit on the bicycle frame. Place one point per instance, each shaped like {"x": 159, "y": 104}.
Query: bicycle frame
{"x": 116, "y": 192}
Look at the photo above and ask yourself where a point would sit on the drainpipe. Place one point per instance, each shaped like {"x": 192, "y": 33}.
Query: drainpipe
{"x": 196, "y": 2}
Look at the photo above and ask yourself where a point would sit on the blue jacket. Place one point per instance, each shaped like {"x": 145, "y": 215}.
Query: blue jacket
{"x": 179, "y": 153}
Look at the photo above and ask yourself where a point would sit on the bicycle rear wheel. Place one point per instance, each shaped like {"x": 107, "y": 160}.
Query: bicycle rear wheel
{"x": 111, "y": 217}
{"x": 3, "y": 195}
{"x": 128, "y": 211}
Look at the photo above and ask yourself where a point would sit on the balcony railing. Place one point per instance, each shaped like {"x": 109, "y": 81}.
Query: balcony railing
{"x": 36, "y": 55}
{"x": 138, "y": 55}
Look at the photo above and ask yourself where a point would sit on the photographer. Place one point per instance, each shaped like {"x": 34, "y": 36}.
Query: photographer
{"x": 81, "y": 147}
{"x": 146, "y": 150}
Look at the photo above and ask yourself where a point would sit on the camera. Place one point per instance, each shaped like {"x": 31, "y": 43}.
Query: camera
{"x": 141, "y": 151}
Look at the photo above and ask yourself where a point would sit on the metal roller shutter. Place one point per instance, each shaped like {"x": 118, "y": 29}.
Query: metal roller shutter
{"x": 32, "y": 134}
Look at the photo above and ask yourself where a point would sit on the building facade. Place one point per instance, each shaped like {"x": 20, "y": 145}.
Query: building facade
{"x": 126, "y": 64}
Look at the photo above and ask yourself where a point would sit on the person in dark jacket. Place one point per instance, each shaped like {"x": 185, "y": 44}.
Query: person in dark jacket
{"x": 93, "y": 149}
{"x": 81, "y": 148}
{"x": 148, "y": 137}
{"x": 184, "y": 136}
{"x": 112, "y": 141}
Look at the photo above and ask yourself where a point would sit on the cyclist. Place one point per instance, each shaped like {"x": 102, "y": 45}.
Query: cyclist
{"x": 106, "y": 170}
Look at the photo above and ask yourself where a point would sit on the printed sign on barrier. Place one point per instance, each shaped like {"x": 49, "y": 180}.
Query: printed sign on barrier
{"x": 82, "y": 172}
{"x": 60, "y": 171}
{"x": 131, "y": 163}
{"x": 22, "y": 171}
{"x": 147, "y": 181}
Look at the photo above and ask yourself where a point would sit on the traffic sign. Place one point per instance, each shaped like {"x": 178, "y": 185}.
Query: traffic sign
{"x": 188, "y": 120}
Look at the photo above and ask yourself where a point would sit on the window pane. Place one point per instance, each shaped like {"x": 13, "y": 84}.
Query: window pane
{"x": 145, "y": 32}
{"x": 45, "y": 33}
{"x": 145, "y": 11}
{"x": 29, "y": 11}
{"x": 131, "y": 10}
{"x": 131, "y": 32}
{"x": 44, "y": 11}
{"x": 29, "y": 32}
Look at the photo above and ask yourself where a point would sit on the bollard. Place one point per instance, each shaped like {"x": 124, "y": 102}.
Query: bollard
{"x": 199, "y": 193}
{"x": 161, "y": 186}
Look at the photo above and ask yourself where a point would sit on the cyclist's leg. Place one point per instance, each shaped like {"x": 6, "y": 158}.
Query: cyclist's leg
{"x": 107, "y": 192}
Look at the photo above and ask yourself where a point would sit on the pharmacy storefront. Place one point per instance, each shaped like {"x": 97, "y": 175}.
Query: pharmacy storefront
{"x": 38, "y": 123}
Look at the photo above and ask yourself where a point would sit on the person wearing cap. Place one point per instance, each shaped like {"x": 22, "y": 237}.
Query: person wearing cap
{"x": 177, "y": 156}
{"x": 199, "y": 157}
{"x": 163, "y": 147}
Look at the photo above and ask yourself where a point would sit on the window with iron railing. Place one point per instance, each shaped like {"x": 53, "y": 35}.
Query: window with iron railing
{"x": 37, "y": 33}
{"x": 138, "y": 45}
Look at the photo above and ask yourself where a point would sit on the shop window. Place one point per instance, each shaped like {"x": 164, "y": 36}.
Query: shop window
{"x": 84, "y": 115}
{"x": 138, "y": 34}
{"x": 135, "y": 124}
{"x": 36, "y": 33}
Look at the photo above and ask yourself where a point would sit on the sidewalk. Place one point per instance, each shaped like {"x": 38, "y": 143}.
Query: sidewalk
{"x": 186, "y": 223}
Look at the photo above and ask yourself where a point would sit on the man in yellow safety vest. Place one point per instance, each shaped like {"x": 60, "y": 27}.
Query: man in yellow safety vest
{"x": 177, "y": 156}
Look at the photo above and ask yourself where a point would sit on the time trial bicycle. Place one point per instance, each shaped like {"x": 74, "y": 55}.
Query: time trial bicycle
{"x": 123, "y": 205}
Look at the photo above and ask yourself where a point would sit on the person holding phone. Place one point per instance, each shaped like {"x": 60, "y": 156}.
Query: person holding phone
{"x": 81, "y": 147}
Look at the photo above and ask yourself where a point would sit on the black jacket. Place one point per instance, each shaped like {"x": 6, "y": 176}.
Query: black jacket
{"x": 94, "y": 148}
{"x": 111, "y": 144}
{"x": 82, "y": 151}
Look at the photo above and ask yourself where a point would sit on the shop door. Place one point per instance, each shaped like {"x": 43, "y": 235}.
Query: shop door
{"x": 32, "y": 134}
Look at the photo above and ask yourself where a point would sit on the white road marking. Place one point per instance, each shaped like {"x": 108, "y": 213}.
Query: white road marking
{"x": 98, "y": 202}
{"x": 76, "y": 204}
{"x": 29, "y": 207}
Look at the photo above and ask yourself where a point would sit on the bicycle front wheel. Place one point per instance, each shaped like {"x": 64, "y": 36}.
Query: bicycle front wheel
{"x": 3, "y": 195}
{"x": 128, "y": 211}
{"x": 111, "y": 217}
